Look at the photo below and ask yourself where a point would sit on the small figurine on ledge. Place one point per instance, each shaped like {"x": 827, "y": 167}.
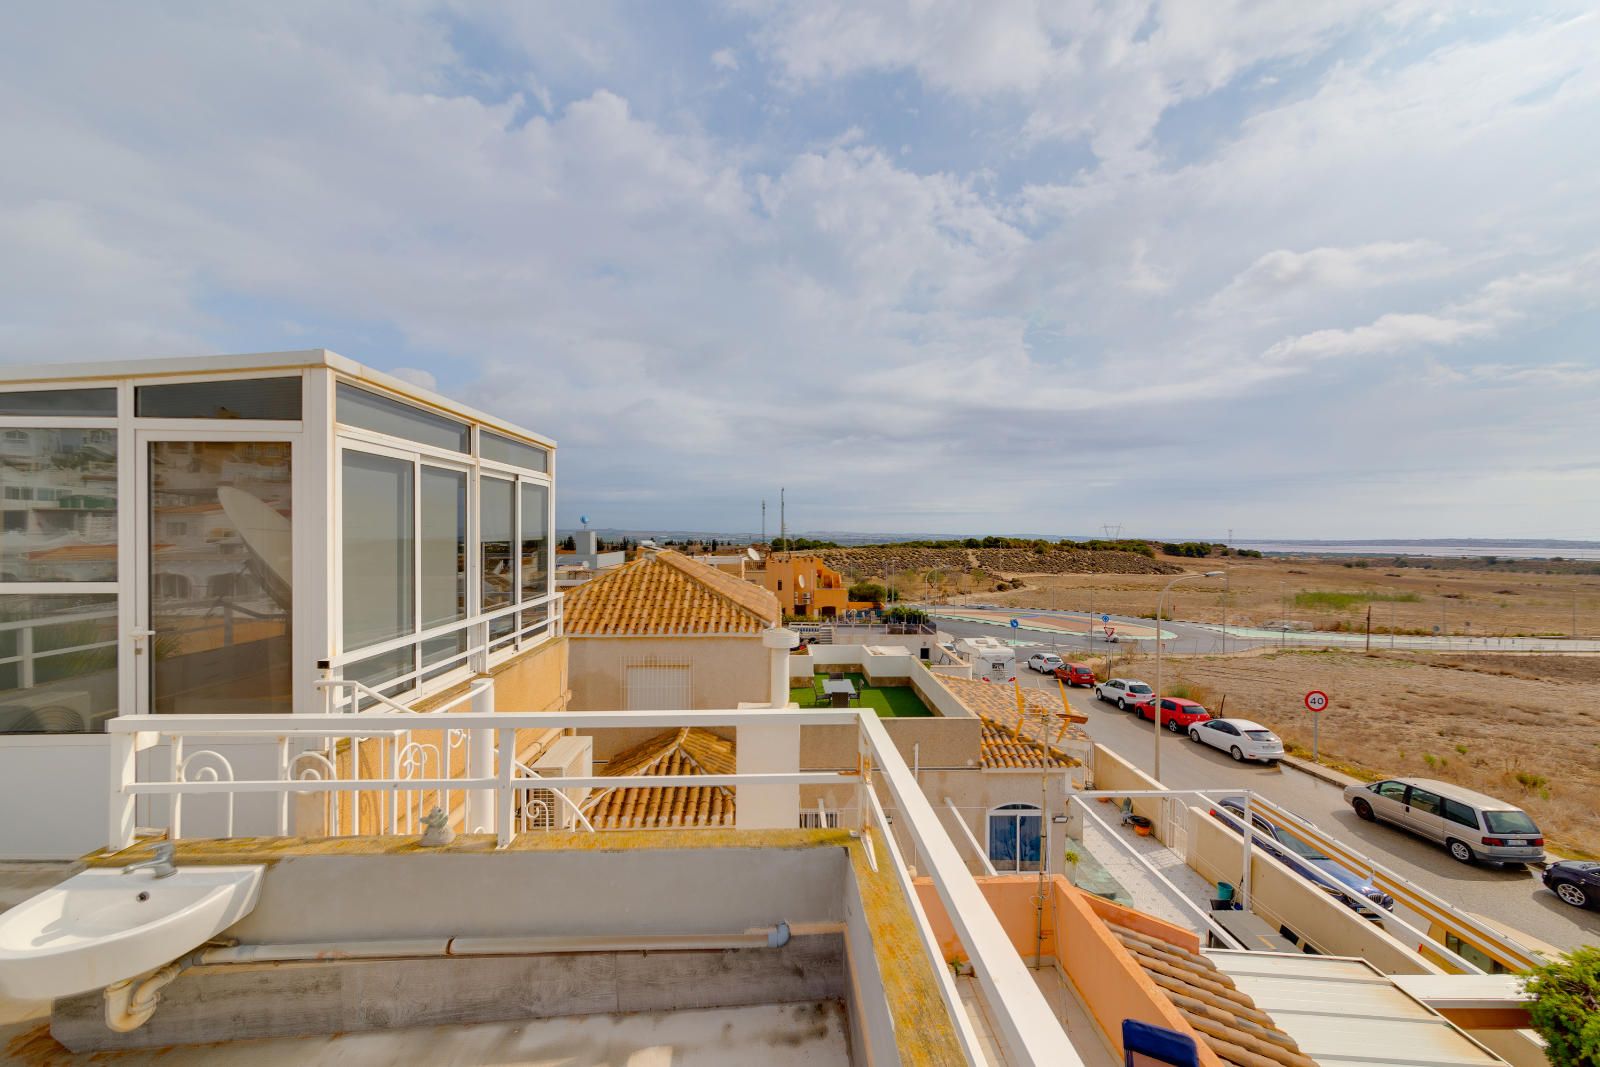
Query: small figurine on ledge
{"x": 438, "y": 830}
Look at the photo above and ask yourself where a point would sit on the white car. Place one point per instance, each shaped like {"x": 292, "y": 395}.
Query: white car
{"x": 1044, "y": 662}
{"x": 1124, "y": 692}
{"x": 1239, "y": 738}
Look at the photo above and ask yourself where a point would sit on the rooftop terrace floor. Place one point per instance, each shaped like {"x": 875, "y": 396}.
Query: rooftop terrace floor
{"x": 889, "y": 701}
{"x": 773, "y": 1035}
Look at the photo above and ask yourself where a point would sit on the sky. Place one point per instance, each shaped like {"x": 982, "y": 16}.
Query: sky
{"x": 1294, "y": 270}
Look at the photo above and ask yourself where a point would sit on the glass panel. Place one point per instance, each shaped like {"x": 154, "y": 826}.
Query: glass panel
{"x": 58, "y": 505}
{"x": 497, "y": 502}
{"x": 1030, "y": 842}
{"x": 1003, "y": 842}
{"x": 384, "y": 667}
{"x": 60, "y": 402}
{"x": 1509, "y": 822}
{"x": 444, "y": 546}
{"x": 517, "y": 453}
{"x": 378, "y": 580}
{"x": 535, "y": 541}
{"x": 220, "y": 577}
{"x": 247, "y": 398}
{"x": 444, "y": 654}
{"x": 58, "y": 663}
{"x": 370, "y": 411}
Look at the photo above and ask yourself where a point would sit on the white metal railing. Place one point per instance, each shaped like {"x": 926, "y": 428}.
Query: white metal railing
{"x": 480, "y": 645}
{"x": 310, "y": 762}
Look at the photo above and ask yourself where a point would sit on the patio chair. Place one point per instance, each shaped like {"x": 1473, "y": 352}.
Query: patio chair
{"x": 816, "y": 687}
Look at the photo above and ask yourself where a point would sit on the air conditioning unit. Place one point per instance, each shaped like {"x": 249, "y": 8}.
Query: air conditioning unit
{"x": 569, "y": 757}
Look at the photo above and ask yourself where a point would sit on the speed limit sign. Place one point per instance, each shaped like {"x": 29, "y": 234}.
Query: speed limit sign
{"x": 1316, "y": 700}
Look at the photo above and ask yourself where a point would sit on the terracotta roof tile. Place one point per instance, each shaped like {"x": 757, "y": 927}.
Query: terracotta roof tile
{"x": 1223, "y": 1016}
{"x": 1000, "y": 749}
{"x": 667, "y": 593}
{"x": 685, "y": 751}
{"x": 1011, "y": 741}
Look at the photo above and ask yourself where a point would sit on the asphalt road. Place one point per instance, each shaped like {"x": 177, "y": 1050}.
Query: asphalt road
{"x": 1514, "y": 897}
{"x": 1195, "y": 638}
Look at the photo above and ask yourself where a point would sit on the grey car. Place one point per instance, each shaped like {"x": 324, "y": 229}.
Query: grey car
{"x": 1470, "y": 825}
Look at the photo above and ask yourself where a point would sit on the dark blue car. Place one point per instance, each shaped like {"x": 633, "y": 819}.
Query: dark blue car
{"x": 1309, "y": 863}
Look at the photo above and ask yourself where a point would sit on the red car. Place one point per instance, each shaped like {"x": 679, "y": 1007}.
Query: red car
{"x": 1177, "y": 714}
{"x": 1074, "y": 674}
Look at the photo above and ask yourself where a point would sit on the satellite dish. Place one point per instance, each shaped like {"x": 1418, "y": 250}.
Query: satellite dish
{"x": 755, "y": 557}
{"x": 267, "y": 536}
{"x": 584, "y": 519}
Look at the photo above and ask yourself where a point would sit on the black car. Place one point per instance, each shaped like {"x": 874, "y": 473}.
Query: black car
{"x": 1575, "y": 881}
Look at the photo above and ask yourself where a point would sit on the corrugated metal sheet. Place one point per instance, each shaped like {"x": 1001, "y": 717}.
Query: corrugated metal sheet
{"x": 1344, "y": 1011}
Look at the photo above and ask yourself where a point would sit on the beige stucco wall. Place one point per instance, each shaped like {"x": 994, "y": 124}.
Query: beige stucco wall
{"x": 973, "y": 791}
{"x": 724, "y": 672}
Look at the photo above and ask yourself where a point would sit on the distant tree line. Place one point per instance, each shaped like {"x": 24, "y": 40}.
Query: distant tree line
{"x": 799, "y": 544}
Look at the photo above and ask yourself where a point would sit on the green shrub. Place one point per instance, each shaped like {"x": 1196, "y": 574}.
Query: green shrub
{"x": 1565, "y": 1006}
{"x": 871, "y": 591}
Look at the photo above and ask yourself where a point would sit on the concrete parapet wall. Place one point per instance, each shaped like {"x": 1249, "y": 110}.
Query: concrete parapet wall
{"x": 244, "y": 1001}
{"x": 1111, "y": 771}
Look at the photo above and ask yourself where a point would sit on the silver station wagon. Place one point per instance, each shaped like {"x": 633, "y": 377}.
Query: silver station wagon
{"x": 1471, "y": 826}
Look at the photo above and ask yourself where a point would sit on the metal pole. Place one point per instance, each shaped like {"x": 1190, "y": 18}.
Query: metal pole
{"x": 1249, "y": 839}
{"x": 1316, "y": 732}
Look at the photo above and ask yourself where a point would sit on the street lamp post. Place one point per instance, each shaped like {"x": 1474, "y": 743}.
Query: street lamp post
{"x": 1160, "y": 601}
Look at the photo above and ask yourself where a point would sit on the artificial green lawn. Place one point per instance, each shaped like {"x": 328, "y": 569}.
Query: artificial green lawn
{"x": 890, "y": 701}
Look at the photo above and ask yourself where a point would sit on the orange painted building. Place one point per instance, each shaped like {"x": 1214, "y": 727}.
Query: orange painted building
{"x": 804, "y": 585}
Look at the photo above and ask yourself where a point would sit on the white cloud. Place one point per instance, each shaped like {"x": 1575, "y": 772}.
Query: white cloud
{"x": 931, "y": 304}
{"x": 420, "y": 378}
{"x": 724, "y": 59}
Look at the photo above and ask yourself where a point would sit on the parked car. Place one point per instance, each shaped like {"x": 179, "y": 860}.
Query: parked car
{"x": 1321, "y": 871}
{"x": 1177, "y": 714}
{"x": 1075, "y": 674}
{"x": 1470, "y": 825}
{"x": 1329, "y": 866}
{"x": 1124, "y": 692}
{"x": 1239, "y": 738}
{"x": 1575, "y": 881}
{"x": 1044, "y": 662}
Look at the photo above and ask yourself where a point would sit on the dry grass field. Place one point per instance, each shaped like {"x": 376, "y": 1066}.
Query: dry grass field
{"x": 1326, "y": 595}
{"x": 1524, "y": 728}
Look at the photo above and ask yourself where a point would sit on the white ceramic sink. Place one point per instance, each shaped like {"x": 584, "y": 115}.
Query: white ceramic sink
{"x": 102, "y": 926}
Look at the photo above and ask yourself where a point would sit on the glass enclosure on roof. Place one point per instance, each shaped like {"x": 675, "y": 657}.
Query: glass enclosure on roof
{"x": 181, "y": 539}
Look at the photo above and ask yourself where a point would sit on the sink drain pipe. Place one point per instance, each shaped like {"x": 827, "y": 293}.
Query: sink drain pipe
{"x": 131, "y": 1002}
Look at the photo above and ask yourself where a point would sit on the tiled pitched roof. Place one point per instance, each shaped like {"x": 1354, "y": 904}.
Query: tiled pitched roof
{"x": 1226, "y": 1018}
{"x": 1002, "y": 750}
{"x": 1011, "y": 741}
{"x": 685, "y": 751}
{"x": 666, "y": 593}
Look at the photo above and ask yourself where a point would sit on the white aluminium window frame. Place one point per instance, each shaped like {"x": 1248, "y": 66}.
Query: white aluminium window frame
{"x": 478, "y": 654}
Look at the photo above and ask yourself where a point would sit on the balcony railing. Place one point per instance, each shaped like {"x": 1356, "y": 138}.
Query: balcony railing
{"x": 498, "y": 789}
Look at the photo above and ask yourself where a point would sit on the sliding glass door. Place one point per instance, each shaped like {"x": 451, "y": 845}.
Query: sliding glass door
{"x": 216, "y": 587}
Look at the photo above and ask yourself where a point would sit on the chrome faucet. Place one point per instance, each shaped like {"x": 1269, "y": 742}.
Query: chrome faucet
{"x": 160, "y": 864}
